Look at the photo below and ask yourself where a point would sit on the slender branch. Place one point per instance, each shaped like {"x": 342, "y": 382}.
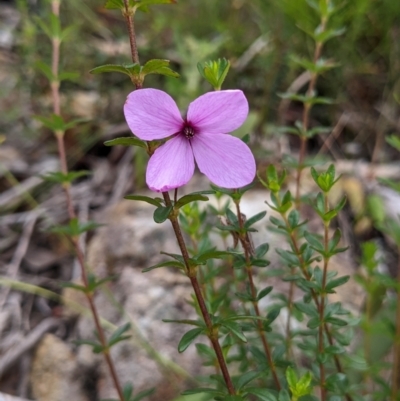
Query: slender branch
{"x": 306, "y": 115}
{"x": 322, "y": 304}
{"x": 396, "y": 361}
{"x": 129, "y": 14}
{"x": 307, "y": 276}
{"x": 55, "y": 86}
{"x": 191, "y": 273}
{"x": 247, "y": 247}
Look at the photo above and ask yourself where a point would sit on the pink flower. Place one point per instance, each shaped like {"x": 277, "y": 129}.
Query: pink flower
{"x": 226, "y": 160}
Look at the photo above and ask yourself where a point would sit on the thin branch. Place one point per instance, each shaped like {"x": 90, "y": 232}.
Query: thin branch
{"x": 191, "y": 273}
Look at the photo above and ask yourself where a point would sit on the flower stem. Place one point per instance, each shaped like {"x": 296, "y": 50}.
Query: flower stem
{"x": 132, "y": 35}
{"x": 55, "y": 86}
{"x": 191, "y": 273}
{"x": 248, "y": 251}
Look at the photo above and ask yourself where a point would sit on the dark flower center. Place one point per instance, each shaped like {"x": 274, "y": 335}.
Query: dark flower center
{"x": 188, "y": 131}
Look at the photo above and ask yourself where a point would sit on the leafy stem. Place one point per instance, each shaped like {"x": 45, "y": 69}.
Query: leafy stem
{"x": 246, "y": 245}
{"x": 322, "y": 303}
{"x": 55, "y": 86}
{"x": 307, "y": 110}
{"x": 191, "y": 273}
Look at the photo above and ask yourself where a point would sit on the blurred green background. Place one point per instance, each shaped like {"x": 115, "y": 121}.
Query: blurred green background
{"x": 259, "y": 37}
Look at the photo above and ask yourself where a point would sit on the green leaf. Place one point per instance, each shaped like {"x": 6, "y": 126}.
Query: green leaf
{"x": 214, "y": 71}
{"x": 97, "y": 348}
{"x": 129, "y": 69}
{"x": 190, "y": 198}
{"x": 313, "y": 323}
{"x": 336, "y": 283}
{"x": 162, "y": 213}
{"x": 336, "y": 321}
{"x": 262, "y": 393}
{"x": 158, "y": 67}
{"x": 118, "y": 336}
{"x": 75, "y": 228}
{"x": 188, "y": 338}
{"x": 126, "y": 141}
{"x": 191, "y": 322}
{"x": 291, "y": 378}
{"x": 394, "y": 141}
{"x": 235, "y": 329}
{"x": 143, "y": 394}
{"x": 261, "y": 250}
{"x": 127, "y": 391}
{"x": 246, "y": 378}
{"x": 146, "y": 199}
{"x": 252, "y": 220}
{"x": 145, "y": 3}
{"x": 212, "y": 254}
{"x": 206, "y": 390}
{"x": 62, "y": 178}
{"x": 171, "y": 263}
{"x": 284, "y": 396}
{"x": 115, "y": 5}
{"x": 264, "y": 292}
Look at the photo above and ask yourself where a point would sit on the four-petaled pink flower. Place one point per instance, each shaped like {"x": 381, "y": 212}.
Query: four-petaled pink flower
{"x": 226, "y": 160}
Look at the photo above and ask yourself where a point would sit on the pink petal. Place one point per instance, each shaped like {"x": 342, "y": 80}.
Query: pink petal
{"x": 171, "y": 166}
{"x": 218, "y": 112}
{"x": 226, "y": 160}
{"x": 152, "y": 114}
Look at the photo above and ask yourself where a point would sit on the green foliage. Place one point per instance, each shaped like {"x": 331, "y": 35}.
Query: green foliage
{"x": 126, "y": 141}
{"x": 75, "y": 228}
{"x": 214, "y": 71}
{"x": 136, "y": 72}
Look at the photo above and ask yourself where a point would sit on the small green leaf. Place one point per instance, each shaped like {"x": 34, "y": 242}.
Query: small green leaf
{"x": 61, "y": 178}
{"x": 188, "y": 338}
{"x": 147, "y": 199}
{"x": 115, "y": 5}
{"x": 214, "y": 71}
{"x": 126, "y": 141}
{"x": 162, "y": 213}
{"x": 336, "y": 283}
{"x": 130, "y": 69}
{"x": 75, "y": 228}
{"x": 262, "y": 393}
{"x": 291, "y": 378}
{"x": 190, "y": 198}
{"x": 141, "y": 395}
{"x": 171, "y": 263}
{"x": 158, "y": 67}
{"x": 264, "y": 292}
{"x": 254, "y": 219}
{"x": 394, "y": 141}
{"x": 235, "y": 329}
{"x": 118, "y": 336}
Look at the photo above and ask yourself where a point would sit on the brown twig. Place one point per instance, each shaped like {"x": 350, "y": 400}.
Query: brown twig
{"x": 306, "y": 114}
{"x": 27, "y": 343}
{"x": 247, "y": 247}
{"x": 22, "y": 247}
{"x": 191, "y": 272}
{"x": 55, "y": 85}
